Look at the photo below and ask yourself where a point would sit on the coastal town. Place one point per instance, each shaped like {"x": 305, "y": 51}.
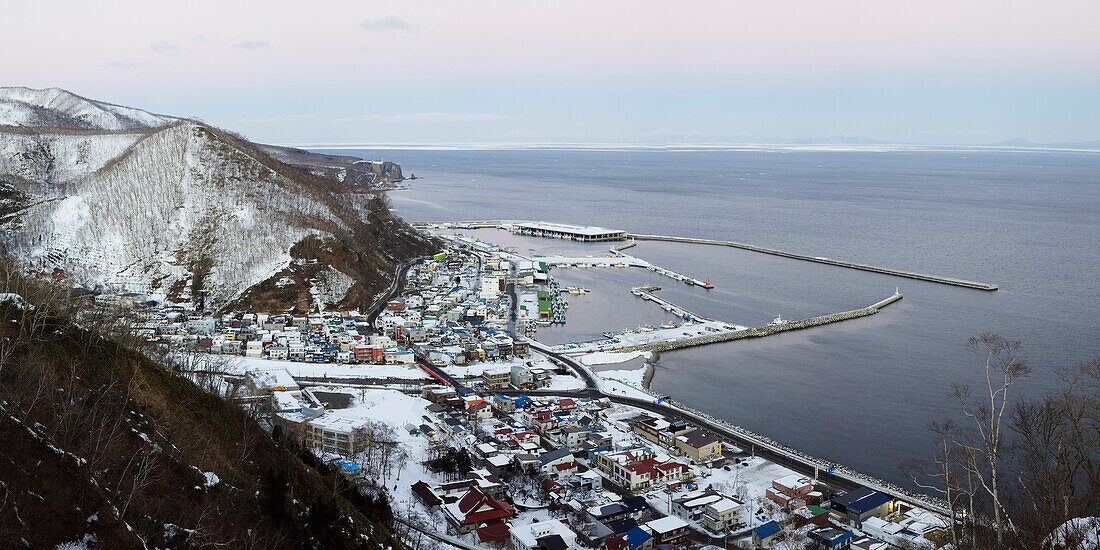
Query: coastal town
{"x": 484, "y": 437}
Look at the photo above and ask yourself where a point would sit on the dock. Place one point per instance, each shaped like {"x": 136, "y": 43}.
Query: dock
{"x": 646, "y": 293}
{"x": 680, "y": 277}
{"x": 829, "y": 261}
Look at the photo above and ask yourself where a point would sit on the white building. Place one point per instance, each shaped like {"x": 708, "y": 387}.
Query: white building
{"x": 530, "y": 537}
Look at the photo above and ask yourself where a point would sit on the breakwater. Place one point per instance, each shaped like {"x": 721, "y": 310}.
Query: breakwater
{"x": 646, "y": 293}
{"x": 759, "y": 332}
{"x": 829, "y": 261}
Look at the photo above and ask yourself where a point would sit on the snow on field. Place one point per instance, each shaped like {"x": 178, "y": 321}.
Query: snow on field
{"x": 331, "y": 370}
{"x": 564, "y": 382}
{"x": 396, "y": 409}
{"x": 609, "y": 357}
{"x": 618, "y": 388}
{"x": 632, "y": 377}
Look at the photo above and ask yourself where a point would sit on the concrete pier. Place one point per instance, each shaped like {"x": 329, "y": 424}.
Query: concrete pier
{"x": 767, "y": 330}
{"x": 840, "y": 263}
{"x": 646, "y": 293}
{"x": 680, "y": 277}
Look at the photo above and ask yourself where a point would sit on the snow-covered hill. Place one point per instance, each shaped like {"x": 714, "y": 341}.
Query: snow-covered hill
{"x": 187, "y": 208}
{"x": 57, "y": 108}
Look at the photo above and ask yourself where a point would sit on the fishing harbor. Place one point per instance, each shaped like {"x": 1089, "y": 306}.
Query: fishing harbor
{"x": 545, "y": 303}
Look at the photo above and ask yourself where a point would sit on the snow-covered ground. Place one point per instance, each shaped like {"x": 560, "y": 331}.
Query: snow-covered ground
{"x": 635, "y": 338}
{"x": 237, "y": 365}
{"x": 564, "y": 382}
{"x": 610, "y": 357}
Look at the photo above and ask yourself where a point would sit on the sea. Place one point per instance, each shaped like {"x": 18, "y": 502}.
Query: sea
{"x": 859, "y": 392}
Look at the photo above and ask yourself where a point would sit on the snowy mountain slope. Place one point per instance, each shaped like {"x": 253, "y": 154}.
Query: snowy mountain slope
{"x": 54, "y": 158}
{"x": 190, "y": 212}
{"x": 57, "y": 108}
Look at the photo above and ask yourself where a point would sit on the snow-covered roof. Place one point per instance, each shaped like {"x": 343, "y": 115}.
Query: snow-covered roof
{"x": 666, "y": 524}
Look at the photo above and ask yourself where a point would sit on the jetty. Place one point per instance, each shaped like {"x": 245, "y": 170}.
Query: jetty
{"x": 646, "y": 293}
{"x": 818, "y": 259}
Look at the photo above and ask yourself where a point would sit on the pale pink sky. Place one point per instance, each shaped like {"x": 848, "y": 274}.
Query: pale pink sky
{"x": 536, "y": 64}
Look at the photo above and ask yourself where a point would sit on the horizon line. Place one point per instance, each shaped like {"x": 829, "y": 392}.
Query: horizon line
{"x": 686, "y": 147}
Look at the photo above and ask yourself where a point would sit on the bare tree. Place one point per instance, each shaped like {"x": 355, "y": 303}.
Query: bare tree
{"x": 943, "y": 472}
{"x": 1003, "y": 364}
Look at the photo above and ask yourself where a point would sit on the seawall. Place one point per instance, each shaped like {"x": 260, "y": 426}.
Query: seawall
{"x": 839, "y": 263}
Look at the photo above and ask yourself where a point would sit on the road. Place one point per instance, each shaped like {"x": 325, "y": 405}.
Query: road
{"x": 395, "y": 289}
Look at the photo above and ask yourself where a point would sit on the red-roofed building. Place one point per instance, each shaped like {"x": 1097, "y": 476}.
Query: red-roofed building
{"x": 565, "y": 469}
{"x": 475, "y": 509}
{"x": 495, "y": 531}
{"x": 638, "y": 469}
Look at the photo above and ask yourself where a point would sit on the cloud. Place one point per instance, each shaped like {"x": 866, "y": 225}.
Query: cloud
{"x": 123, "y": 64}
{"x": 388, "y": 23}
{"x": 252, "y": 45}
{"x": 164, "y": 47}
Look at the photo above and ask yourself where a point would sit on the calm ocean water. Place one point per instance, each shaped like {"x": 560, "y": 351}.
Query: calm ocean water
{"x": 858, "y": 392}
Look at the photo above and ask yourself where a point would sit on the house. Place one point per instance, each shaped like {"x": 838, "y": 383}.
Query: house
{"x": 549, "y": 461}
{"x": 426, "y": 495}
{"x": 830, "y": 538}
{"x": 722, "y": 516}
{"x": 590, "y": 480}
{"x": 860, "y": 504}
{"x": 906, "y": 536}
{"x": 632, "y": 507}
{"x": 483, "y": 480}
{"x": 767, "y": 534}
{"x": 278, "y": 353}
{"x": 811, "y": 513}
{"x": 790, "y": 491}
{"x": 638, "y": 469}
{"x": 476, "y": 509}
{"x": 699, "y": 446}
{"x": 714, "y": 510}
{"x": 254, "y": 349}
{"x": 659, "y": 430}
{"x": 668, "y": 530}
{"x": 572, "y": 436}
{"x": 495, "y": 379}
{"x": 479, "y": 410}
{"x": 546, "y": 535}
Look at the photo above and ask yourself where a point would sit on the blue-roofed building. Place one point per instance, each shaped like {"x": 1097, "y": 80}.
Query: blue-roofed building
{"x": 767, "y": 533}
{"x": 862, "y": 503}
{"x": 638, "y": 538}
{"x": 830, "y": 538}
{"x": 622, "y": 526}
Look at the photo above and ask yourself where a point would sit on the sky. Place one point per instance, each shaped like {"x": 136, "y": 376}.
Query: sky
{"x": 572, "y": 72}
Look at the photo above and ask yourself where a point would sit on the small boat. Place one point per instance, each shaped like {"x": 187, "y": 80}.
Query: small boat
{"x": 779, "y": 320}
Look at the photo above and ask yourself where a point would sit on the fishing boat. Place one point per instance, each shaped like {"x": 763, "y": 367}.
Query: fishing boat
{"x": 779, "y": 320}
